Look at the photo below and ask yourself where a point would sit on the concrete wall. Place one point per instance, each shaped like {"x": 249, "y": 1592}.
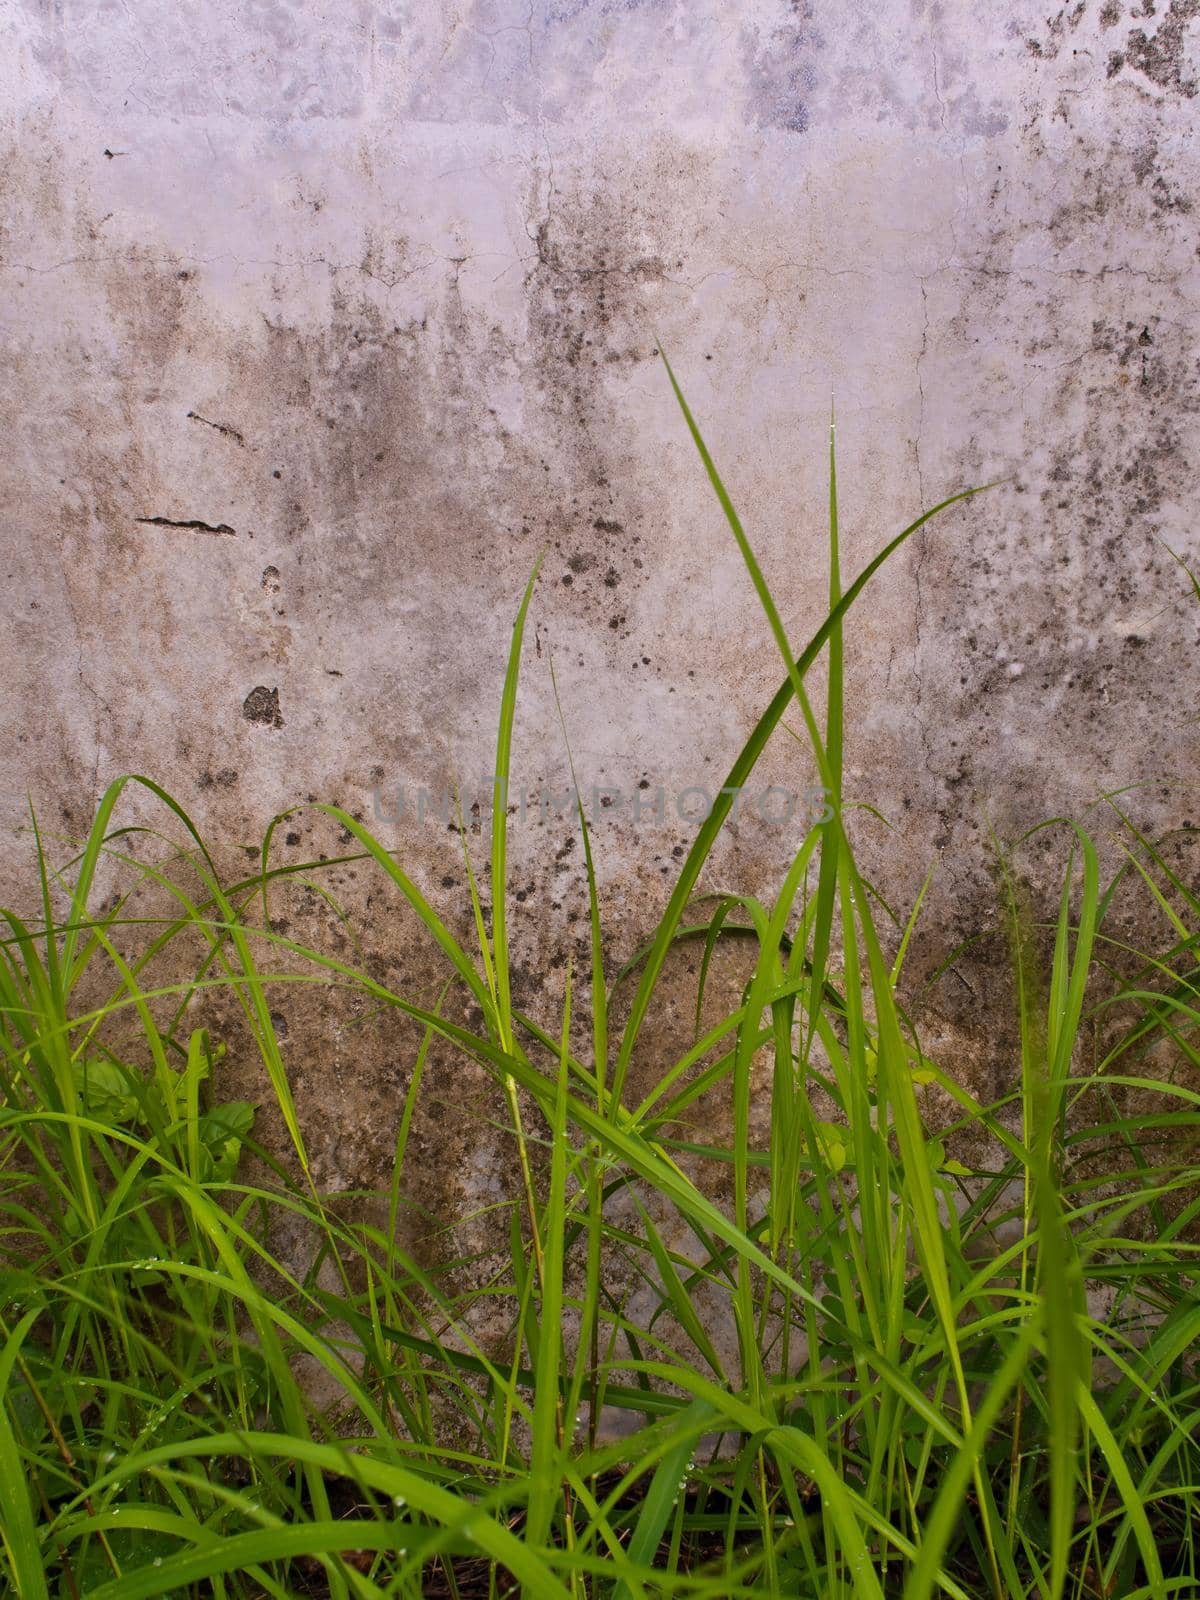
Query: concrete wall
{"x": 321, "y": 321}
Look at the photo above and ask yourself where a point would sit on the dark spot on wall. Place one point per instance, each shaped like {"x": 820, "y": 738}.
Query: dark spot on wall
{"x": 262, "y": 705}
{"x": 1161, "y": 56}
{"x": 1167, "y": 199}
{"x": 223, "y": 778}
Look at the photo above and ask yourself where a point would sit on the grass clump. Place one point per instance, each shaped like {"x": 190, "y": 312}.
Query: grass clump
{"x": 956, "y": 1379}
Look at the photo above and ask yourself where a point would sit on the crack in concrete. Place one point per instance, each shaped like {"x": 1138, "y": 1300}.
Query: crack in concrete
{"x": 222, "y": 428}
{"x": 188, "y": 522}
{"x": 88, "y": 688}
{"x": 937, "y": 92}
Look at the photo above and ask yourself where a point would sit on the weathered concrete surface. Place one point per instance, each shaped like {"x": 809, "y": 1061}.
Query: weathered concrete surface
{"x": 320, "y": 322}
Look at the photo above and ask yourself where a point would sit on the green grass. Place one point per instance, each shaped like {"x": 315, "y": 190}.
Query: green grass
{"x": 925, "y": 1398}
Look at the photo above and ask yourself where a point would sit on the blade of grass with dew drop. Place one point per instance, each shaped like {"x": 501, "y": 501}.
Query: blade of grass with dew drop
{"x": 598, "y": 995}
{"x": 767, "y": 974}
{"x": 474, "y": 1520}
{"x": 724, "y": 906}
{"x": 194, "y": 1072}
{"x": 826, "y": 899}
{"x": 18, "y": 1524}
{"x": 939, "y": 1523}
{"x": 1045, "y": 1057}
{"x": 499, "y": 890}
{"x": 668, "y": 1112}
{"x": 508, "y": 702}
{"x": 1059, "y": 1268}
{"x": 798, "y": 1449}
{"x": 406, "y": 1116}
{"x": 1070, "y": 968}
{"x": 896, "y": 1083}
{"x": 248, "y": 1553}
{"x": 740, "y": 772}
{"x": 491, "y": 1012}
{"x": 545, "y": 1483}
{"x": 670, "y": 1477}
{"x": 588, "y": 1351}
{"x": 1130, "y": 1499}
{"x": 51, "y": 983}
{"x": 1189, "y": 897}
{"x": 909, "y": 928}
{"x": 676, "y": 1297}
